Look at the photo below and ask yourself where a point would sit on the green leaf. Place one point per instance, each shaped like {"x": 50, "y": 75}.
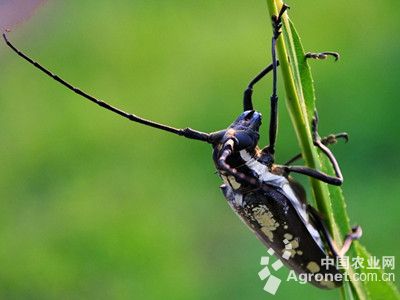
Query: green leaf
{"x": 301, "y": 104}
{"x": 304, "y": 72}
{"x": 376, "y": 289}
{"x": 347, "y": 292}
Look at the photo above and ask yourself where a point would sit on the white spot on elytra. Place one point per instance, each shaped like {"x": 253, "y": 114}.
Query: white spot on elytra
{"x": 313, "y": 267}
{"x": 266, "y": 221}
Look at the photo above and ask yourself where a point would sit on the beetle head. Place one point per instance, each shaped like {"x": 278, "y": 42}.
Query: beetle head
{"x": 249, "y": 119}
{"x": 245, "y": 130}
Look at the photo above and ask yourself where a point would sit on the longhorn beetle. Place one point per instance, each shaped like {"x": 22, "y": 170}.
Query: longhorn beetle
{"x": 261, "y": 192}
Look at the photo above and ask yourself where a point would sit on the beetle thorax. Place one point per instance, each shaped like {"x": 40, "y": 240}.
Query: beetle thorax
{"x": 247, "y": 162}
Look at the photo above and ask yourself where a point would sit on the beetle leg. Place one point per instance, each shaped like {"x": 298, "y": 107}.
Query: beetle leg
{"x": 248, "y": 93}
{"x": 247, "y": 98}
{"x": 317, "y": 219}
{"x": 318, "y": 143}
{"x": 355, "y": 234}
{"x": 314, "y": 174}
{"x": 273, "y": 120}
{"x": 334, "y": 180}
{"x": 226, "y": 151}
{"x": 328, "y": 140}
{"x": 322, "y": 55}
{"x": 277, "y": 24}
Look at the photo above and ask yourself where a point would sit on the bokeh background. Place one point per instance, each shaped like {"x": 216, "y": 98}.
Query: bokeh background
{"x": 94, "y": 207}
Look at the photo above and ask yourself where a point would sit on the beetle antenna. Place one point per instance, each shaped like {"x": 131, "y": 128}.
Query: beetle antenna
{"x": 186, "y": 132}
{"x": 248, "y": 93}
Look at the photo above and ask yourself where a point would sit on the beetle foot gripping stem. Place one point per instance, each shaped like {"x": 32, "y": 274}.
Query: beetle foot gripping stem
{"x": 327, "y": 140}
{"x": 322, "y": 55}
{"x": 314, "y": 128}
{"x": 332, "y": 138}
{"x": 355, "y": 234}
{"x": 277, "y": 21}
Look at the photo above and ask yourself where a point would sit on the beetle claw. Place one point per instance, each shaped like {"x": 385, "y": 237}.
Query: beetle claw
{"x": 332, "y": 138}
{"x": 277, "y": 21}
{"x": 322, "y": 55}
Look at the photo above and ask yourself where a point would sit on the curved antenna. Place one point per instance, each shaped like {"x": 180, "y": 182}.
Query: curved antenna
{"x": 248, "y": 93}
{"x": 186, "y": 132}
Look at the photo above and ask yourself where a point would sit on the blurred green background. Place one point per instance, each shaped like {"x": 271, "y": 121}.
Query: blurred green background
{"x": 94, "y": 207}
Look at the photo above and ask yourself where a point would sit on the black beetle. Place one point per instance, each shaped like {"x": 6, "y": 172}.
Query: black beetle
{"x": 263, "y": 195}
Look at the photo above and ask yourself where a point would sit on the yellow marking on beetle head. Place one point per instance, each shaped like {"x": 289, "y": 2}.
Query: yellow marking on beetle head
{"x": 230, "y": 132}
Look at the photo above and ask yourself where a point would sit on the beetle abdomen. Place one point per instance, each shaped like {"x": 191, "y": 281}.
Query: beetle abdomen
{"x": 275, "y": 221}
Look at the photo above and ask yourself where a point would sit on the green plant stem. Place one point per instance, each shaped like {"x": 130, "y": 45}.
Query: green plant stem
{"x": 300, "y": 102}
{"x": 298, "y": 114}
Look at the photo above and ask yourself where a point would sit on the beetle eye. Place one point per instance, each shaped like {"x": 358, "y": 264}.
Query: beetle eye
{"x": 244, "y": 140}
